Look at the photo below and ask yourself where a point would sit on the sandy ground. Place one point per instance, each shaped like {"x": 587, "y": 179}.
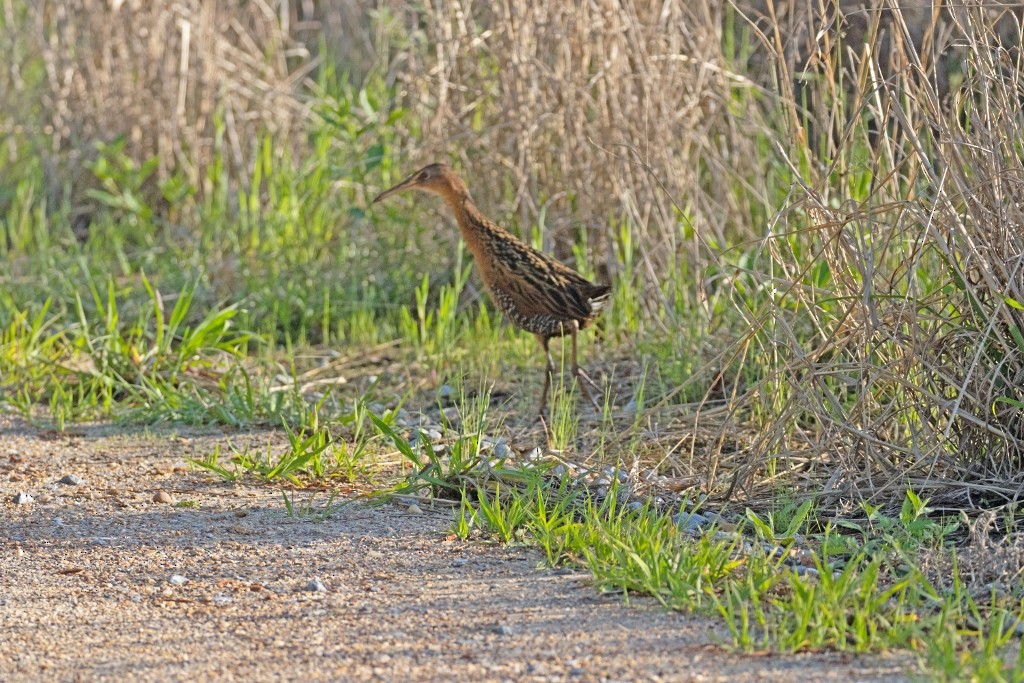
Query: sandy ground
{"x": 99, "y": 582}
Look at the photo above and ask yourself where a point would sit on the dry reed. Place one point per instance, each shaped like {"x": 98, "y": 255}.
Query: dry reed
{"x": 903, "y": 364}
{"x": 170, "y": 77}
{"x": 876, "y": 314}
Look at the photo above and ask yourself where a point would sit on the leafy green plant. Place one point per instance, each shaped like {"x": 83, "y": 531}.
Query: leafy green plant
{"x": 212, "y": 463}
{"x": 913, "y": 527}
{"x": 770, "y": 528}
{"x": 121, "y": 181}
{"x": 436, "y": 332}
{"x": 466, "y": 519}
{"x": 312, "y": 457}
{"x": 308, "y": 509}
{"x": 502, "y": 516}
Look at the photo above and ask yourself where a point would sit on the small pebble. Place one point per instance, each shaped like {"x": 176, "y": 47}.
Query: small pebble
{"x": 414, "y": 509}
{"x": 177, "y": 579}
{"x": 70, "y": 480}
{"x": 163, "y": 497}
{"x": 502, "y": 630}
{"x": 44, "y": 498}
{"x": 806, "y": 571}
{"x": 691, "y": 521}
{"x": 459, "y": 562}
{"x": 636, "y": 505}
{"x": 802, "y": 557}
{"x": 220, "y": 599}
{"x": 535, "y": 454}
{"x": 615, "y": 473}
{"x": 502, "y": 450}
{"x": 446, "y": 392}
{"x": 21, "y": 498}
{"x": 316, "y": 586}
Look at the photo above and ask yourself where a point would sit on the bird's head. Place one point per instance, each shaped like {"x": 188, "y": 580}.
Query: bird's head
{"x": 436, "y": 178}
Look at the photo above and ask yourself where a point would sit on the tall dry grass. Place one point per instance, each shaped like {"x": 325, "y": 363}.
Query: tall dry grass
{"x": 882, "y": 294}
{"x": 181, "y": 81}
{"x": 913, "y": 371}
{"x": 587, "y": 115}
{"x": 840, "y": 180}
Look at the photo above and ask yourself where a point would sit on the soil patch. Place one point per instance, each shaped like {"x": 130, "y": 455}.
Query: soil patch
{"x": 100, "y": 582}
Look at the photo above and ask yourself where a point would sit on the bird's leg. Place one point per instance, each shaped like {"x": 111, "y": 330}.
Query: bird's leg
{"x": 549, "y": 370}
{"x": 582, "y": 377}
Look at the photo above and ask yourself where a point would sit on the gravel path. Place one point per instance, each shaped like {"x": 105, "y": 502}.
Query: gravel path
{"x": 100, "y": 582}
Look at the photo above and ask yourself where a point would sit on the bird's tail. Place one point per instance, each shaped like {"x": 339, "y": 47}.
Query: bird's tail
{"x": 599, "y": 296}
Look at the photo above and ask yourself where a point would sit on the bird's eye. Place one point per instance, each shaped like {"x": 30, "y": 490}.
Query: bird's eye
{"x": 424, "y": 176}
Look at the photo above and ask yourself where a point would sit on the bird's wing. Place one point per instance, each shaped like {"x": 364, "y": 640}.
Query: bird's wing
{"x": 538, "y": 285}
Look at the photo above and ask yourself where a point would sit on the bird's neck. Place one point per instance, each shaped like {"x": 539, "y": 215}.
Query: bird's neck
{"x": 477, "y": 230}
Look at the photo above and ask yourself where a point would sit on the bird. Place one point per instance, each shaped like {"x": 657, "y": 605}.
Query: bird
{"x": 533, "y": 290}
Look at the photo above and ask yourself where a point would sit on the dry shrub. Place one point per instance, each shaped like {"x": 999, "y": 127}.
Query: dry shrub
{"x": 905, "y": 366}
{"x": 161, "y": 74}
{"x": 882, "y": 320}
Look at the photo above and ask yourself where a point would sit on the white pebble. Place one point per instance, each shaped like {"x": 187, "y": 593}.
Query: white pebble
{"x": 316, "y": 586}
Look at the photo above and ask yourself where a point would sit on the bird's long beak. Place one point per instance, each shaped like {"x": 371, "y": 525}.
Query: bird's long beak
{"x": 404, "y": 185}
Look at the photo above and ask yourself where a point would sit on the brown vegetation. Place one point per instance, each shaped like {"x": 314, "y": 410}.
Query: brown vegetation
{"x": 855, "y": 232}
{"x": 170, "y": 77}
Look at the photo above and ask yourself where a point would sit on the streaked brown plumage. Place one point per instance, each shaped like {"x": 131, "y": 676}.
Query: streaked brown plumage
{"x": 535, "y": 291}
